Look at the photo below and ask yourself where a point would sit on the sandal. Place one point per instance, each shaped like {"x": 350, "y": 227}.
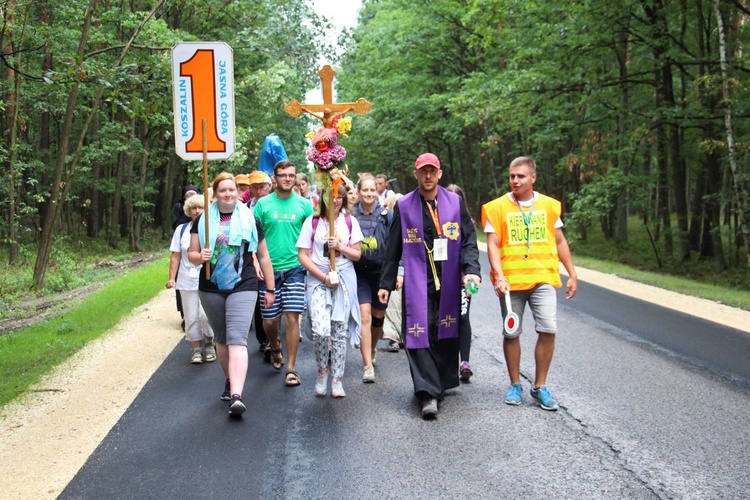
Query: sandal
{"x": 277, "y": 359}
{"x": 292, "y": 379}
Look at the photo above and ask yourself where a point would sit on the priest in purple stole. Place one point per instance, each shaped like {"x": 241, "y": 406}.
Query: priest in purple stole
{"x": 432, "y": 232}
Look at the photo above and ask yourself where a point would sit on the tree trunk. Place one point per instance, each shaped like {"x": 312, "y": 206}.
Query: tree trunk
{"x": 126, "y": 228}
{"x": 93, "y": 215}
{"x": 114, "y": 221}
{"x": 621, "y": 206}
{"x": 739, "y": 190}
{"x": 167, "y": 194}
{"x": 142, "y": 186}
{"x": 679, "y": 172}
{"x": 55, "y": 200}
{"x": 60, "y": 193}
{"x": 697, "y": 209}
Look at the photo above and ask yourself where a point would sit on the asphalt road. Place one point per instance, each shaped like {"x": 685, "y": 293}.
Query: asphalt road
{"x": 654, "y": 404}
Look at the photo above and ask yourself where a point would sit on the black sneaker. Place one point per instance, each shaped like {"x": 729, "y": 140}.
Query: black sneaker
{"x": 262, "y": 347}
{"x": 267, "y": 352}
{"x": 236, "y": 406}
{"x": 226, "y": 395}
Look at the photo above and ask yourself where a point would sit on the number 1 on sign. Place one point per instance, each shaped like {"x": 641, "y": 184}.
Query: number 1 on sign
{"x": 200, "y": 70}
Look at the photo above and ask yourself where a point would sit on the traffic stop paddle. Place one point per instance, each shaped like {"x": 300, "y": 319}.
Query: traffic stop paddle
{"x": 511, "y": 318}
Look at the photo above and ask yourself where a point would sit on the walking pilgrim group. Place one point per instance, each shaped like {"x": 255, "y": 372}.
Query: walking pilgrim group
{"x": 405, "y": 267}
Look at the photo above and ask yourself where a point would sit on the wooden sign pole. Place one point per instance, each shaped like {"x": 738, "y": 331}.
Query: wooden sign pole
{"x": 206, "y": 200}
{"x": 331, "y": 225}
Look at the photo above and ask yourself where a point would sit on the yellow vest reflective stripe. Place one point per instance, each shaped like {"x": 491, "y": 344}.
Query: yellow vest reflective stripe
{"x": 523, "y": 267}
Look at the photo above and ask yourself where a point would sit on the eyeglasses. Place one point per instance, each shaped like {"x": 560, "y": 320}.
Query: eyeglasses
{"x": 286, "y": 176}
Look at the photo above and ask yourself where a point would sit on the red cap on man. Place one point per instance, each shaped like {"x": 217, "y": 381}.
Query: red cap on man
{"x": 427, "y": 159}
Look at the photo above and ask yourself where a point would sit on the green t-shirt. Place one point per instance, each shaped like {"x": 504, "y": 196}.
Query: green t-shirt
{"x": 281, "y": 219}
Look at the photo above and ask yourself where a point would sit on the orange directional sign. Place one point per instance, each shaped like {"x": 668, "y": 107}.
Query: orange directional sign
{"x": 203, "y": 89}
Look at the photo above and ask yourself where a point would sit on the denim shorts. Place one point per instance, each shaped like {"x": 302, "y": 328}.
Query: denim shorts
{"x": 290, "y": 293}
{"x": 542, "y": 301}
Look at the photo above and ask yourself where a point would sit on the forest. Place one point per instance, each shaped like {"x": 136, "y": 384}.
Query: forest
{"x": 633, "y": 110}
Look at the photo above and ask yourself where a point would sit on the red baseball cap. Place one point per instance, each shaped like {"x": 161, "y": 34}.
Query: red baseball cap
{"x": 427, "y": 159}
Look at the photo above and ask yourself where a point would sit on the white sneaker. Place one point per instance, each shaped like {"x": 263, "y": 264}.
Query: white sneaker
{"x": 369, "y": 376}
{"x": 337, "y": 388}
{"x": 321, "y": 383}
{"x": 196, "y": 357}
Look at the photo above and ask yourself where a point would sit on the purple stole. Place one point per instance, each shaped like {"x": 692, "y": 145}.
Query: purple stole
{"x": 416, "y": 267}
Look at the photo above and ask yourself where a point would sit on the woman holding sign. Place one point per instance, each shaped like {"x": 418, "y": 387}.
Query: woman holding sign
{"x": 229, "y": 294}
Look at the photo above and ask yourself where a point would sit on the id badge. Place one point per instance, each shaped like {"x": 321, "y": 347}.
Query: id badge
{"x": 440, "y": 249}
{"x": 193, "y": 272}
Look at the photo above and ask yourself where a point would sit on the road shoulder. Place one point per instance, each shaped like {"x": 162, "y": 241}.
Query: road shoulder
{"x": 47, "y": 435}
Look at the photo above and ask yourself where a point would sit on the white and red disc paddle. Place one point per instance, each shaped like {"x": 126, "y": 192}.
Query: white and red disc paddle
{"x": 511, "y": 319}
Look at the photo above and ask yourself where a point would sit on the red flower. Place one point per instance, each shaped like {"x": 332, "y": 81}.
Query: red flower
{"x": 321, "y": 146}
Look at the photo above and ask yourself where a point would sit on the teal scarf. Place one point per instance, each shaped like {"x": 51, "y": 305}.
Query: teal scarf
{"x": 241, "y": 227}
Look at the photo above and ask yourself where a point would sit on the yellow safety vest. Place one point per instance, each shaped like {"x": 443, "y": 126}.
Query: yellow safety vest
{"x": 528, "y": 252}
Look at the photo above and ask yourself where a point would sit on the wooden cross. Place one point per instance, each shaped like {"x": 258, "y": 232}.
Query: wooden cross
{"x": 326, "y": 111}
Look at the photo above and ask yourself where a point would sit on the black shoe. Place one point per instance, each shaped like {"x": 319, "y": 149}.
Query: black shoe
{"x": 226, "y": 395}
{"x": 182, "y": 325}
{"x": 267, "y": 353}
{"x": 236, "y": 406}
{"x": 262, "y": 347}
{"x": 429, "y": 408}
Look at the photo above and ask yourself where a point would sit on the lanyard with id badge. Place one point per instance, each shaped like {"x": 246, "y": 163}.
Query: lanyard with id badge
{"x": 439, "y": 252}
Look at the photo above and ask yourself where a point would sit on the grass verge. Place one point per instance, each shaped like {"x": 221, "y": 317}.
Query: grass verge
{"x": 27, "y": 355}
{"x": 731, "y": 296}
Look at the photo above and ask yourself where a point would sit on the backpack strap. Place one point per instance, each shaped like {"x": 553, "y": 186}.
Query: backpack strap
{"x": 349, "y": 225}
{"x": 316, "y": 220}
{"x": 182, "y": 229}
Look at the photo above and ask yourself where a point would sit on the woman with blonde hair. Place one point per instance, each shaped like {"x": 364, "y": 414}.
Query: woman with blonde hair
{"x": 186, "y": 283}
{"x": 229, "y": 295}
{"x": 374, "y": 220}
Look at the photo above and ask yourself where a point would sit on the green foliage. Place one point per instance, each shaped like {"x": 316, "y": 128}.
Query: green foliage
{"x": 275, "y": 45}
{"x": 638, "y": 255}
{"x": 580, "y": 86}
{"x": 74, "y": 264}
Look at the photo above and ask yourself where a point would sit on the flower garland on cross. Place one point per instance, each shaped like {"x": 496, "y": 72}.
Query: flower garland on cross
{"x": 328, "y": 155}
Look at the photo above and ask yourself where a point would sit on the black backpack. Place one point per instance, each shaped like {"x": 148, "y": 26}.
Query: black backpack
{"x": 375, "y": 230}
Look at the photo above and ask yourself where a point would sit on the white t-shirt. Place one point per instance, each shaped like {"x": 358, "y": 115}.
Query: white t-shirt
{"x": 385, "y": 195}
{"x": 524, "y": 204}
{"x": 341, "y": 230}
{"x": 184, "y": 279}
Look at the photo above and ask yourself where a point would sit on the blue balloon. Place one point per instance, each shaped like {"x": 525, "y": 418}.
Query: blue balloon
{"x": 272, "y": 152}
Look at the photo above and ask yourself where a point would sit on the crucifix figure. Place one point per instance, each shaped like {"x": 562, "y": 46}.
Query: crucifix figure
{"x": 326, "y": 111}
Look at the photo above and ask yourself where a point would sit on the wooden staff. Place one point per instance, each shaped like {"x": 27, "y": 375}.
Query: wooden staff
{"x": 331, "y": 222}
{"x": 205, "y": 190}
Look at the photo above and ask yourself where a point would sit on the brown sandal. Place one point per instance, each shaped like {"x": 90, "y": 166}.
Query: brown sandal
{"x": 292, "y": 379}
{"x": 277, "y": 359}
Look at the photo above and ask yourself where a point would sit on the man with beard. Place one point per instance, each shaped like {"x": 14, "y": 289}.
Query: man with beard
{"x": 433, "y": 234}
